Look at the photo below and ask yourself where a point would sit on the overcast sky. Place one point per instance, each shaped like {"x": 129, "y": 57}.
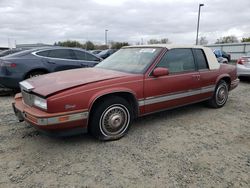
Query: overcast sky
{"x": 47, "y": 21}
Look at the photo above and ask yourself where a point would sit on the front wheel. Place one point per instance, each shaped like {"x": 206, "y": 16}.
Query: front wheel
{"x": 220, "y": 95}
{"x": 111, "y": 118}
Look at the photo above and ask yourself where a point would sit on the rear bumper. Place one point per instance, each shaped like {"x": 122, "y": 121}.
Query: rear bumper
{"x": 234, "y": 84}
{"x": 53, "y": 124}
{"x": 242, "y": 70}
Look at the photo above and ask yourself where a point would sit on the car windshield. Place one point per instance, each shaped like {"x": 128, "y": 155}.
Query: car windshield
{"x": 131, "y": 60}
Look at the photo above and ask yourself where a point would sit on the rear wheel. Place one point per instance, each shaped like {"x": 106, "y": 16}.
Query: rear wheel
{"x": 220, "y": 95}
{"x": 111, "y": 118}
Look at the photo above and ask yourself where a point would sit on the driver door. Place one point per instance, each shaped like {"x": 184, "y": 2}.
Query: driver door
{"x": 181, "y": 86}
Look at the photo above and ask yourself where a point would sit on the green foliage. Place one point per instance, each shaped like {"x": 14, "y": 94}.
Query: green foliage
{"x": 203, "y": 41}
{"x": 161, "y": 41}
{"x": 245, "y": 39}
{"x": 69, "y": 43}
{"x": 227, "y": 39}
{"x": 90, "y": 45}
{"x": 118, "y": 45}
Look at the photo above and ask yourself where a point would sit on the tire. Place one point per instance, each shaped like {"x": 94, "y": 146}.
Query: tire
{"x": 35, "y": 74}
{"x": 111, "y": 118}
{"x": 220, "y": 95}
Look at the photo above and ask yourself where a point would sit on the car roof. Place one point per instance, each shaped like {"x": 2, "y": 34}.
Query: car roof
{"x": 168, "y": 46}
{"x": 25, "y": 52}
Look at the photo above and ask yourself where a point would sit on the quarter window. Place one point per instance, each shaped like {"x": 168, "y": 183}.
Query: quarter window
{"x": 178, "y": 60}
{"x": 43, "y": 53}
{"x": 201, "y": 59}
{"x": 61, "y": 53}
{"x": 85, "y": 56}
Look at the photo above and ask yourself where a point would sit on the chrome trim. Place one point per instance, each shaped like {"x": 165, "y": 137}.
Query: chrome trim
{"x": 26, "y": 86}
{"x": 55, "y": 120}
{"x": 158, "y": 99}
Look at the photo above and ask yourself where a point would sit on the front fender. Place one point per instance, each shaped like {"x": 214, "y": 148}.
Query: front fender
{"x": 105, "y": 92}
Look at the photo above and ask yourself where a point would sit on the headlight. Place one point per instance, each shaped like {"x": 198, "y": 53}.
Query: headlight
{"x": 40, "y": 102}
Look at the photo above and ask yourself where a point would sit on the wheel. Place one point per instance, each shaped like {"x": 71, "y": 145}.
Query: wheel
{"x": 111, "y": 118}
{"x": 35, "y": 74}
{"x": 220, "y": 95}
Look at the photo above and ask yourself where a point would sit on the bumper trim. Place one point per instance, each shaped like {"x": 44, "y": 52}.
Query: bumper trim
{"x": 56, "y": 119}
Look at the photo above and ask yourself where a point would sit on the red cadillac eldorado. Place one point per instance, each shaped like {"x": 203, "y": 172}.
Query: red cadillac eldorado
{"x": 133, "y": 82}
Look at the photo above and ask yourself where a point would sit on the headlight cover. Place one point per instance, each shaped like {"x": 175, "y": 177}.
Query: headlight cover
{"x": 40, "y": 102}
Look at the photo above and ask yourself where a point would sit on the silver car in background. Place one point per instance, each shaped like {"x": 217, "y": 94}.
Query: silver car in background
{"x": 243, "y": 66}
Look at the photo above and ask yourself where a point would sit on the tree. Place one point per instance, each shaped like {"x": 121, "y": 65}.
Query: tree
{"x": 245, "y": 39}
{"x": 227, "y": 39}
{"x": 69, "y": 43}
{"x": 203, "y": 41}
{"x": 89, "y": 45}
{"x": 161, "y": 41}
{"x": 118, "y": 45}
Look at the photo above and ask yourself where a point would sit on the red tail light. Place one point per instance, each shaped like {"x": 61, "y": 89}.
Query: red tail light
{"x": 241, "y": 61}
{"x": 7, "y": 64}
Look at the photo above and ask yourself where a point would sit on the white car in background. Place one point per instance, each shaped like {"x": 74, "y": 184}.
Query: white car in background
{"x": 243, "y": 66}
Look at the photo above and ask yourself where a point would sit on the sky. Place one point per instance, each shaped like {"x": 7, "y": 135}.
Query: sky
{"x": 133, "y": 21}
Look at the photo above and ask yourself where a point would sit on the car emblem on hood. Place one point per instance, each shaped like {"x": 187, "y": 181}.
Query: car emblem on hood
{"x": 26, "y": 86}
{"x": 69, "y": 106}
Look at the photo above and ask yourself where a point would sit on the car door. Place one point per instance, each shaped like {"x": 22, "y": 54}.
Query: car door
{"x": 207, "y": 77}
{"x": 180, "y": 87}
{"x": 60, "y": 59}
{"x": 86, "y": 59}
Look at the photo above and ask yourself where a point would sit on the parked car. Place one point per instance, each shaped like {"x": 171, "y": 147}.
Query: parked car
{"x": 29, "y": 63}
{"x": 243, "y": 66}
{"x": 135, "y": 81}
{"x": 221, "y": 53}
{"x": 10, "y": 51}
{"x": 222, "y": 60}
{"x": 106, "y": 53}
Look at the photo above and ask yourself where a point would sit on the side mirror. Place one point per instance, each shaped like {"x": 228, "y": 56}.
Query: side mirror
{"x": 160, "y": 71}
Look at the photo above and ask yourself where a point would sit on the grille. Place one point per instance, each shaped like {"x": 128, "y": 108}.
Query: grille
{"x": 27, "y": 98}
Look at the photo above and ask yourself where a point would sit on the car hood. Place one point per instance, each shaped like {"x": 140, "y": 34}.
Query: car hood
{"x": 54, "y": 82}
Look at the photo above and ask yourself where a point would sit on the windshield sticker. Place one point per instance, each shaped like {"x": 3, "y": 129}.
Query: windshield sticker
{"x": 147, "y": 50}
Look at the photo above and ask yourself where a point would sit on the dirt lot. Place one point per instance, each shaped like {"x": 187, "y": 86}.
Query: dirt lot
{"x": 193, "y": 146}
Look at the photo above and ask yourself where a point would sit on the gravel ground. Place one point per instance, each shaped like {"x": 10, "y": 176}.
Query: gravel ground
{"x": 193, "y": 146}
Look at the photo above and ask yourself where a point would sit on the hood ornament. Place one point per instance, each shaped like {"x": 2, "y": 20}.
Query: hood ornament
{"x": 26, "y": 86}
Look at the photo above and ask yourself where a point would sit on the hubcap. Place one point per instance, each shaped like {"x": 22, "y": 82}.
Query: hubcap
{"x": 114, "y": 120}
{"x": 221, "y": 94}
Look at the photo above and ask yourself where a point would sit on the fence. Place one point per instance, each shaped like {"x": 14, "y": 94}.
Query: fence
{"x": 235, "y": 49}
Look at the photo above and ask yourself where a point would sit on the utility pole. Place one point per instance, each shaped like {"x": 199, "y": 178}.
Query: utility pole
{"x": 198, "y": 24}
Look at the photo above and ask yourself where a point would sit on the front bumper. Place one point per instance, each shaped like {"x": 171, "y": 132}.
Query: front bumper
{"x": 11, "y": 81}
{"x": 50, "y": 122}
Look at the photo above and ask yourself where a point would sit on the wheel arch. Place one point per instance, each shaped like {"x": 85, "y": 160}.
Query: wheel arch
{"x": 35, "y": 70}
{"x": 226, "y": 78}
{"x": 129, "y": 96}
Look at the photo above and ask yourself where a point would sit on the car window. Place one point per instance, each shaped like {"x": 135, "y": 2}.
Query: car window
{"x": 43, "y": 53}
{"x": 80, "y": 55}
{"x": 131, "y": 60}
{"x": 201, "y": 59}
{"x": 61, "y": 53}
{"x": 178, "y": 60}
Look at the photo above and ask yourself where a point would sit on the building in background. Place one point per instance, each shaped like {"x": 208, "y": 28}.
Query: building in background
{"x": 29, "y": 46}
